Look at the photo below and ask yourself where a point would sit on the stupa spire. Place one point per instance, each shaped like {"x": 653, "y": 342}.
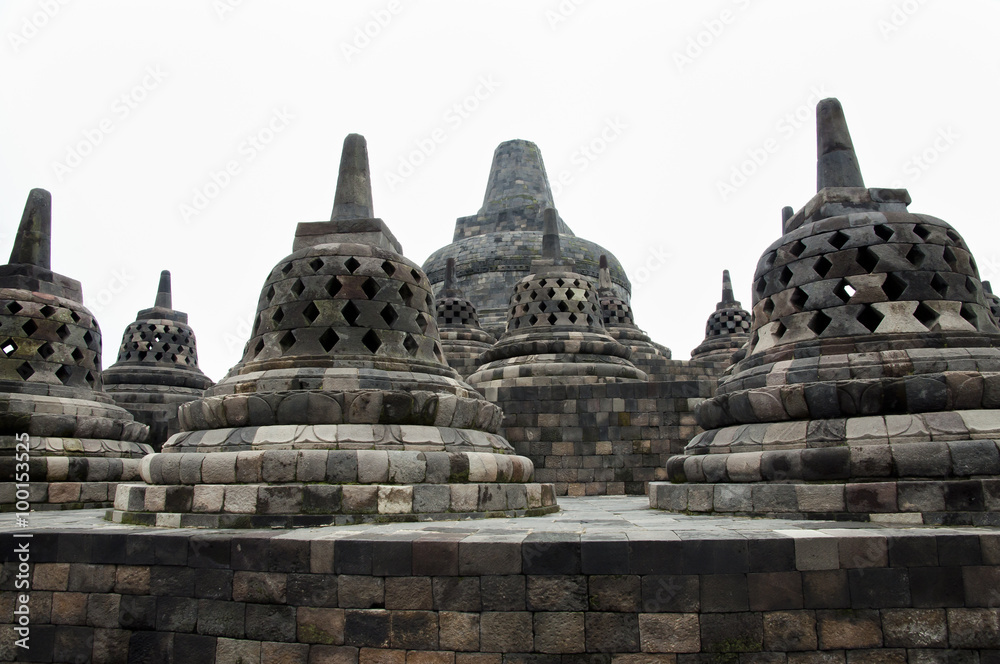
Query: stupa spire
{"x": 604, "y": 276}
{"x": 164, "y": 299}
{"x": 727, "y": 289}
{"x": 354, "y": 183}
{"x": 837, "y": 163}
{"x": 550, "y": 236}
{"x": 33, "y": 242}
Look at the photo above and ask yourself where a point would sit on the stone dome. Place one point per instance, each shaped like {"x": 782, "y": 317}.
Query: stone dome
{"x": 462, "y": 339}
{"x": 727, "y": 328}
{"x": 616, "y": 314}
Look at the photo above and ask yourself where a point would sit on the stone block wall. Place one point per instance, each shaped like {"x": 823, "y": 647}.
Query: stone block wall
{"x": 843, "y": 597}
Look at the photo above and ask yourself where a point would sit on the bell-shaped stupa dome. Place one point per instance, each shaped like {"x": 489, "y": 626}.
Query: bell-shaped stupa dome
{"x": 462, "y": 339}
{"x": 727, "y": 329}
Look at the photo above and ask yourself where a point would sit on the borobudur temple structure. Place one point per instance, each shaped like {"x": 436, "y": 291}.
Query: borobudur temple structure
{"x": 343, "y": 408}
{"x": 871, "y": 381}
{"x": 79, "y": 444}
{"x": 462, "y": 338}
{"x": 157, "y": 367}
{"x": 494, "y": 248}
{"x": 727, "y": 329}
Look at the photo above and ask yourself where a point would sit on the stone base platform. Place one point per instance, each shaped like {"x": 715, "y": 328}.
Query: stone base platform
{"x": 933, "y": 502}
{"x": 605, "y": 581}
{"x": 60, "y": 483}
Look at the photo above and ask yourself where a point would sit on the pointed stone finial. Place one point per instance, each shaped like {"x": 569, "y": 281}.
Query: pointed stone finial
{"x": 837, "y": 164}
{"x": 33, "y": 242}
{"x": 164, "y": 299}
{"x": 987, "y": 287}
{"x": 449, "y": 274}
{"x": 727, "y": 288}
{"x": 604, "y": 276}
{"x": 354, "y": 185}
{"x": 550, "y": 238}
{"x": 786, "y": 213}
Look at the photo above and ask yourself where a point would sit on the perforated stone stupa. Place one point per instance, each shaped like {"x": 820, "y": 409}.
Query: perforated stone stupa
{"x": 727, "y": 329}
{"x": 555, "y": 329}
{"x": 462, "y": 339}
{"x": 81, "y": 443}
{"x": 620, "y": 324}
{"x": 157, "y": 367}
{"x": 872, "y": 378}
{"x": 494, "y": 249}
{"x": 343, "y": 408}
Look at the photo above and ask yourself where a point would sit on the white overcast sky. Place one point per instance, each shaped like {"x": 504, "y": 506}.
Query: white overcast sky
{"x": 125, "y": 109}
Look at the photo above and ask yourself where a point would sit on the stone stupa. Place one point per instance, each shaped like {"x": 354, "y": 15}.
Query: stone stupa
{"x": 620, "y": 323}
{"x": 555, "y": 329}
{"x": 343, "y": 408}
{"x": 81, "y": 443}
{"x": 157, "y": 367}
{"x": 462, "y": 339}
{"x": 871, "y": 381}
{"x": 727, "y": 329}
{"x": 494, "y": 248}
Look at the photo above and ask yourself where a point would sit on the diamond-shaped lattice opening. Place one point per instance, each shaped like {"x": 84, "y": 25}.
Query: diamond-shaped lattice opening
{"x": 970, "y": 285}
{"x": 30, "y": 327}
{"x": 350, "y": 312}
{"x": 950, "y": 258}
{"x": 819, "y": 322}
{"x": 316, "y": 264}
{"x": 927, "y": 316}
{"x": 534, "y": 295}
{"x": 47, "y": 310}
{"x": 405, "y": 293}
{"x": 822, "y": 266}
{"x": 388, "y": 268}
{"x": 64, "y": 374}
{"x": 410, "y": 344}
{"x": 532, "y": 319}
{"x": 328, "y": 340}
{"x": 844, "y": 291}
{"x": 560, "y": 283}
{"x": 298, "y": 287}
{"x": 769, "y": 259}
{"x": 45, "y": 350}
{"x": 541, "y": 284}
{"x": 760, "y": 286}
{"x": 870, "y": 317}
{"x": 779, "y": 330}
{"x": 173, "y": 357}
{"x": 286, "y": 269}
{"x": 953, "y": 236}
{"x": 972, "y": 264}
{"x": 370, "y": 288}
{"x": 416, "y": 275}
{"x": 14, "y": 307}
{"x": 839, "y": 239}
{"x": 8, "y": 347}
{"x": 590, "y": 320}
{"x": 969, "y": 314}
{"x": 798, "y": 299}
{"x": 893, "y": 286}
{"x": 75, "y": 316}
{"x": 551, "y": 292}
{"x": 158, "y": 357}
{"x": 570, "y": 293}
{"x": 796, "y": 248}
{"x": 552, "y": 319}
{"x": 371, "y": 341}
{"x": 867, "y": 259}
{"x": 785, "y": 276}
{"x": 287, "y": 340}
{"x": 389, "y": 315}
{"x": 25, "y": 371}
{"x": 333, "y": 286}
{"x": 940, "y": 285}
{"x": 352, "y": 264}
{"x": 430, "y": 301}
{"x": 166, "y": 347}
{"x": 884, "y": 232}
{"x": 278, "y": 315}
{"x": 922, "y": 232}
{"x": 423, "y": 322}
{"x": 563, "y": 306}
{"x": 573, "y": 318}
{"x": 581, "y": 306}
{"x": 311, "y": 312}
{"x": 88, "y": 339}
{"x": 768, "y": 307}
{"x": 90, "y": 378}
{"x": 259, "y": 347}
{"x": 543, "y": 307}
{"x": 916, "y": 255}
